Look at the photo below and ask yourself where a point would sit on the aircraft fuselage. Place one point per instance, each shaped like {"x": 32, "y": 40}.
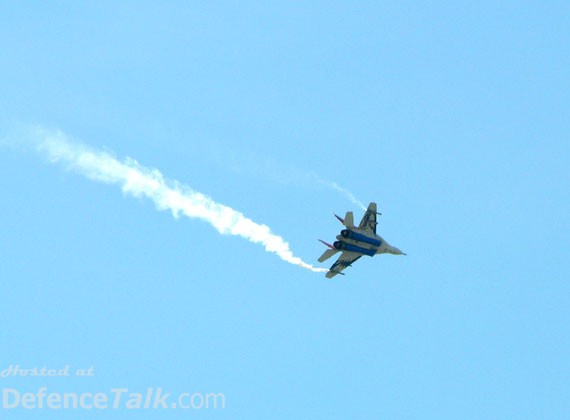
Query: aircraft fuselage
{"x": 355, "y": 241}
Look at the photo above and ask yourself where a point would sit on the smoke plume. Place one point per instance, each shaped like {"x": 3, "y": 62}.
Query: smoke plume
{"x": 139, "y": 181}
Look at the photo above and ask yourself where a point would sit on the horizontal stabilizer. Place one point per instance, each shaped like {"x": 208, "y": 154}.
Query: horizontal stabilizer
{"x": 327, "y": 254}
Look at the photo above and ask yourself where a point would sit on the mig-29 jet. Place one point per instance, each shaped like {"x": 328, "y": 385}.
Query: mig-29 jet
{"x": 354, "y": 242}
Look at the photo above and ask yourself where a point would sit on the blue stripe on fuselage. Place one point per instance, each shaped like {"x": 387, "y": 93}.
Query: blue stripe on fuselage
{"x": 359, "y": 237}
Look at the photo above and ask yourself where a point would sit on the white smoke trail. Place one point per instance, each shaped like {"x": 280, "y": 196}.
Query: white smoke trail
{"x": 139, "y": 181}
{"x": 251, "y": 163}
{"x": 344, "y": 192}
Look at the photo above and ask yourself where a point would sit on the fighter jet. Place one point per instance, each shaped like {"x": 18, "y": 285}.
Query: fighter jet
{"x": 354, "y": 242}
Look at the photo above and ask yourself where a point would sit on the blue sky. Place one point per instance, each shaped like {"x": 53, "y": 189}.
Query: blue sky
{"x": 454, "y": 117}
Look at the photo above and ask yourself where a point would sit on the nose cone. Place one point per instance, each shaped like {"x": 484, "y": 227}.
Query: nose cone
{"x": 396, "y": 251}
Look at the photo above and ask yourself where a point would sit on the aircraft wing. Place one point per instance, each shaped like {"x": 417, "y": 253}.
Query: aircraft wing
{"x": 345, "y": 260}
{"x": 368, "y": 222}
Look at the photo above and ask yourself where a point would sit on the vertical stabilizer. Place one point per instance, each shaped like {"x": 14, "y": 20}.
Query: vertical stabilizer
{"x": 349, "y": 220}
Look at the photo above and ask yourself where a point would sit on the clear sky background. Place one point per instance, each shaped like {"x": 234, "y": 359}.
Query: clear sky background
{"x": 452, "y": 116}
